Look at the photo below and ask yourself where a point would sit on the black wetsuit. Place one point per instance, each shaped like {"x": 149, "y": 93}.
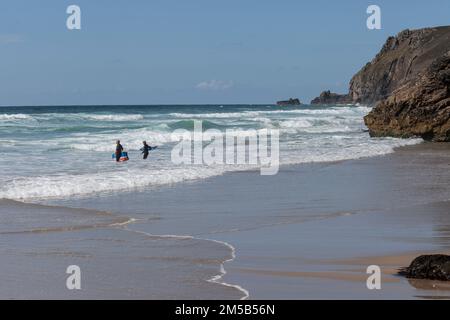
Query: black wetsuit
{"x": 145, "y": 150}
{"x": 119, "y": 150}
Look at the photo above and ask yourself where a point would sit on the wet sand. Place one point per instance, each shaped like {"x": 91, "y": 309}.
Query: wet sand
{"x": 38, "y": 243}
{"x": 309, "y": 232}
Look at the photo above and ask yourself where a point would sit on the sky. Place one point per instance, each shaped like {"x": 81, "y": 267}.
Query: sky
{"x": 193, "y": 52}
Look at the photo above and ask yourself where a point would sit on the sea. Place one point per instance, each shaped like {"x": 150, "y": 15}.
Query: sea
{"x": 58, "y": 152}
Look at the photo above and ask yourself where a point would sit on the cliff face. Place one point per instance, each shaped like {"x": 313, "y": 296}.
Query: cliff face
{"x": 420, "y": 107}
{"x": 408, "y": 83}
{"x": 400, "y": 61}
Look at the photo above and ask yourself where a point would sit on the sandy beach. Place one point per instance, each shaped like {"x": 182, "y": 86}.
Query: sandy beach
{"x": 170, "y": 151}
{"x": 309, "y": 232}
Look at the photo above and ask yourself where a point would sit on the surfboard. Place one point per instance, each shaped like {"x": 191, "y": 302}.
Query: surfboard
{"x": 123, "y": 157}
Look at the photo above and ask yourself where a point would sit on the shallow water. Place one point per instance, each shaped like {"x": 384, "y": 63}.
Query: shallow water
{"x": 293, "y": 235}
{"x": 157, "y": 230}
{"x": 38, "y": 243}
{"x": 292, "y": 231}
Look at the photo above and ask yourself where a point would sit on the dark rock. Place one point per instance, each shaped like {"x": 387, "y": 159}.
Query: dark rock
{"x": 431, "y": 267}
{"x": 290, "y": 102}
{"x": 408, "y": 83}
{"x": 410, "y": 78}
{"x": 327, "y": 97}
{"x": 400, "y": 61}
{"x": 419, "y": 108}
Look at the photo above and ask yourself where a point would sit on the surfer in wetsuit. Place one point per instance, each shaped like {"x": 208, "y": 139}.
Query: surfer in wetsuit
{"x": 145, "y": 149}
{"x": 119, "y": 150}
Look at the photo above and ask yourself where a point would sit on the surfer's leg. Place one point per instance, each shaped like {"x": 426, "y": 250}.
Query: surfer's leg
{"x": 145, "y": 155}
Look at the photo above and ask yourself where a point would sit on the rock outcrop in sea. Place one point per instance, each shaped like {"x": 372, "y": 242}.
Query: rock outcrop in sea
{"x": 327, "y": 97}
{"x": 290, "y": 102}
{"x": 408, "y": 83}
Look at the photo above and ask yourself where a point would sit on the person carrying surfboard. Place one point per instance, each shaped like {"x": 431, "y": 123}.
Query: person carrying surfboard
{"x": 119, "y": 150}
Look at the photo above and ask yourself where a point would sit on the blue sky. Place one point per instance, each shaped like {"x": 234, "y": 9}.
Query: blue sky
{"x": 192, "y": 52}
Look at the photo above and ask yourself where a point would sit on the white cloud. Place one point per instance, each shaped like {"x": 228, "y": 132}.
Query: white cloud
{"x": 215, "y": 85}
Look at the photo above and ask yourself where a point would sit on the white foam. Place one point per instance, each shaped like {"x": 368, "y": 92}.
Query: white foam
{"x": 296, "y": 123}
{"x": 339, "y": 150}
{"x": 48, "y": 117}
{"x": 215, "y": 115}
{"x": 215, "y": 279}
{"x": 11, "y": 117}
{"x": 113, "y": 117}
{"x": 162, "y": 172}
{"x": 65, "y": 185}
{"x": 132, "y": 139}
{"x": 218, "y": 278}
{"x": 105, "y": 142}
{"x": 306, "y": 135}
{"x": 301, "y": 111}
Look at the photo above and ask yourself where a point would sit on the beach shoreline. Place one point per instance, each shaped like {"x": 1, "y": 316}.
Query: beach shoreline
{"x": 297, "y": 235}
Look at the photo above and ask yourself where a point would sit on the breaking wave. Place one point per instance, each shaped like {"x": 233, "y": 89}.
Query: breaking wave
{"x": 70, "y": 151}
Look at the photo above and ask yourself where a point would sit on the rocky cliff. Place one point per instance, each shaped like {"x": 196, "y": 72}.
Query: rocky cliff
{"x": 408, "y": 83}
{"x": 420, "y": 107}
{"x": 400, "y": 61}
